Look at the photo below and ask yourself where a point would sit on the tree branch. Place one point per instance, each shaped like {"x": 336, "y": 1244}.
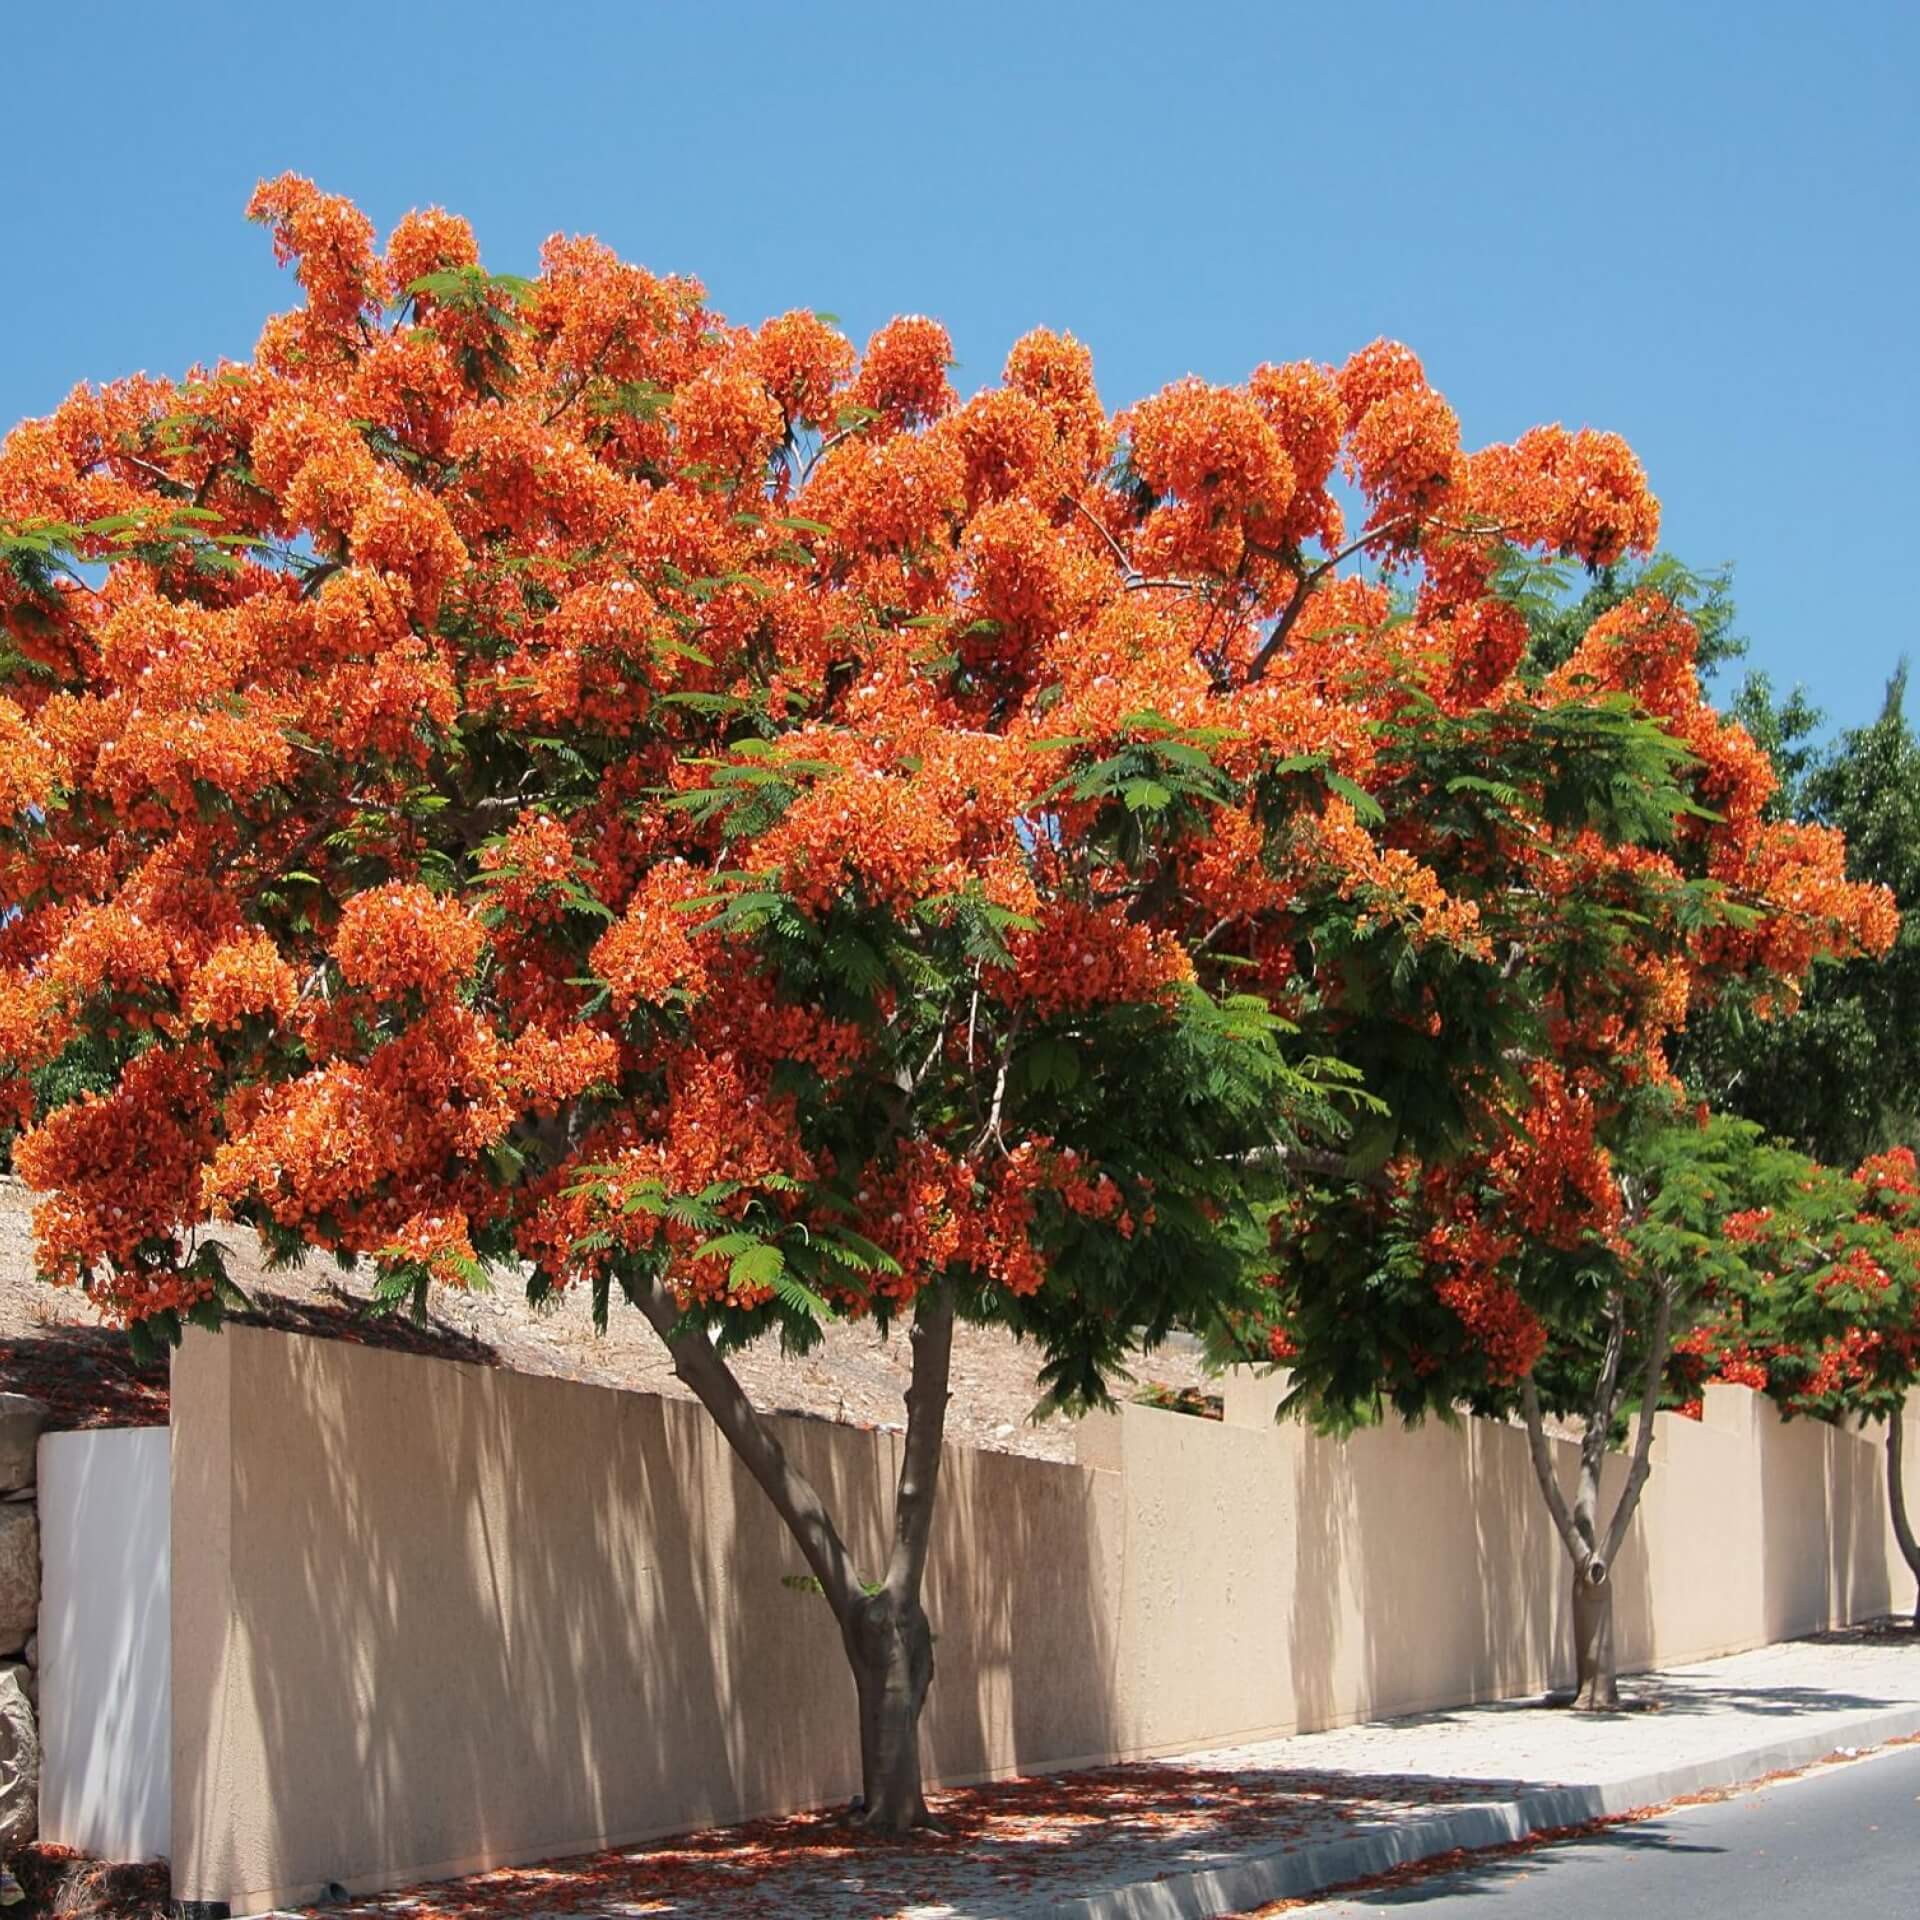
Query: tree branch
{"x": 1314, "y": 575}
{"x": 1897, "y": 1491}
{"x": 1605, "y": 1402}
{"x": 927, "y": 1399}
{"x": 991, "y": 1131}
{"x": 1099, "y": 526}
{"x": 753, "y": 1441}
{"x": 1541, "y": 1452}
{"x": 1303, "y": 592}
{"x": 1657, "y": 1344}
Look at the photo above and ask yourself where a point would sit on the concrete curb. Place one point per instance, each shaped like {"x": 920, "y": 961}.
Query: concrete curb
{"x": 1288, "y": 1873}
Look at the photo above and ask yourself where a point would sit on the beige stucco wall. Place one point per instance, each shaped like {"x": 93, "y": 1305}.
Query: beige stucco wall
{"x": 429, "y": 1617}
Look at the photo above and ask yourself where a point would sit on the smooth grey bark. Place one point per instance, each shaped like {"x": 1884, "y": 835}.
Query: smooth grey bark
{"x": 885, "y": 1631}
{"x": 887, "y": 1635}
{"x": 1596, "y": 1687}
{"x": 1591, "y": 1549}
{"x": 1897, "y": 1499}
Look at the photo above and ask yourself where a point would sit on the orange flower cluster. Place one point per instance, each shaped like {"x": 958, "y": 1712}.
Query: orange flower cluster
{"x": 1227, "y": 474}
{"x": 1895, "y": 1173}
{"x": 903, "y": 374}
{"x": 436, "y": 1241}
{"x": 1506, "y": 1331}
{"x": 1557, "y": 1180}
{"x": 121, "y": 1171}
{"x": 27, "y": 767}
{"x": 402, "y": 936}
{"x": 1083, "y": 957}
{"x": 651, "y": 953}
{"x": 242, "y": 978}
{"x": 516, "y": 726}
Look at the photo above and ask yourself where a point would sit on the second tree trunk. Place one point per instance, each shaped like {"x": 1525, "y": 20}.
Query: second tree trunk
{"x": 1595, "y": 1687}
{"x": 890, "y": 1646}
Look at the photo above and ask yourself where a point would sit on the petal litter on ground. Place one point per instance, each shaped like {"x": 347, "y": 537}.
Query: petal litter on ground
{"x": 1014, "y": 1849}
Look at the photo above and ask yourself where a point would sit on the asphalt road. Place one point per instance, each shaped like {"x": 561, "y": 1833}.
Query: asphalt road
{"x": 1831, "y": 1845}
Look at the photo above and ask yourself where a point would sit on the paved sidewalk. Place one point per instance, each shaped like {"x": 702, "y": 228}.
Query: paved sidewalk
{"x": 1223, "y": 1831}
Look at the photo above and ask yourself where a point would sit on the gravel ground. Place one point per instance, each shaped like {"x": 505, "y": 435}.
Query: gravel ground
{"x": 1015, "y": 1849}
{"x": 52, "y": 1345}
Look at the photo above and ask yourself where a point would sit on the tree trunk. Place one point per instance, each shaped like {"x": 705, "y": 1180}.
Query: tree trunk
{"x": 1595, "y": 1687}
{"x": 884, "y": 1629}
{"x": 886, "y": 1633}
{"x": 891, "y": 1650}
{"x": 1897, "y": 1499}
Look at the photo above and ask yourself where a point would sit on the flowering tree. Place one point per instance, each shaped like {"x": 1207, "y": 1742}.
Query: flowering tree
{"x": 526, "y": 771}
{"x": 1830, "y": 1326}
{"x": 1837, "y": 1077}
{"x": 1540, "y": 1253}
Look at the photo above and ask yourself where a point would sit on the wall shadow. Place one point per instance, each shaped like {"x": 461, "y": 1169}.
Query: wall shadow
{"x": 1809, "y": 1470}
{"x": 479, "y": 1616}
{"x": 1428, "y": 1573}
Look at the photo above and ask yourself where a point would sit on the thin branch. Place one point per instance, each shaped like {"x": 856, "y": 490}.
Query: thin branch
{"x": 1303, "y": 592}
{"x": 1605, "y": 1402}
{"x": 1104, "y": 531}
{"x": 700, "y": 1366}
{"x": 1327, "y": 1162}
{"x": 590, "y": 375}
{"x": 1309, "y": 580}
{"x": 147, "y": 467}
{"x": 826, "y": 446}
{"x": 909, "y": 1082}
{"x": 991, "y": 1131}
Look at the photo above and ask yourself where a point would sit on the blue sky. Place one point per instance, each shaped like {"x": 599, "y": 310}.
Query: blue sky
{"x": 1692, "y": 223}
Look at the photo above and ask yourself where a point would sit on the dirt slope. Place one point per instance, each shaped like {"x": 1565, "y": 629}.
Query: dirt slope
{"x": 52, "y": 1345}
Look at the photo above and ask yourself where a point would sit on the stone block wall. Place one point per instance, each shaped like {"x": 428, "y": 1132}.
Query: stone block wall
{"x": 21, "y": 1420}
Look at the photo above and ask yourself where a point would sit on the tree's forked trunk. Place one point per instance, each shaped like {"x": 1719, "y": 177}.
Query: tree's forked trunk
{"x": 883, "y": 1627}
{"x": 890, "y": 1647}
{"x": 1897, "y": 1500}
{"x": 1592, "y": 1552}
{"x": 1596, "y": 1687}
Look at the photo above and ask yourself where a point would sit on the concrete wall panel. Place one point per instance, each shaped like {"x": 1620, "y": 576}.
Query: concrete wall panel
{"x": 104, "y": 1657}
{"x": 430, "y": 1617}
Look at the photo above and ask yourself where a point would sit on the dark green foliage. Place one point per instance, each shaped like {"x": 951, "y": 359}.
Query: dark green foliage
{"x": 1841, "y": 1076}
{"x": 1559, "y": 619}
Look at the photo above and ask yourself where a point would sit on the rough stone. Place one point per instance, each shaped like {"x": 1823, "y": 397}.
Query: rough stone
{"x": 19, "y": 1578}
{"x": 21, "y": 1418}
{"x": 29, "y": 1680}
{"x": 19, "y": 1766}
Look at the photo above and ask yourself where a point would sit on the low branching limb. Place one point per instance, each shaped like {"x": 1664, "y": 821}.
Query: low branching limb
{"x": 1541, "y": 1451}
{"x": 1606, "y": 1398}
{"x": 1897, "y": 1491}
{"x": 927, "y": 1397}
{"x": 1659, "y": 1339}
{"x": 753, "y": 1441}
